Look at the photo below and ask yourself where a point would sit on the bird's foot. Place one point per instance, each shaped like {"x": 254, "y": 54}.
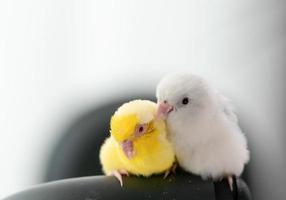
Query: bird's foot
{"x": 123, "y": 172}
{"x": 172, "y": 169}
{"x": 118, "y": 175}
{"x": 230, "y": 182}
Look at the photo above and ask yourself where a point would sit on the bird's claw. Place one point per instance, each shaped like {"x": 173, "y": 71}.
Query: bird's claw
{"x": 174, "y": 167}
{"x": 167, "y": 173}
{"x": 171, "y": 169}
{"x": 118, "y": 175}
{"x": 230, "y": 182}
{"x": 123, "y": 172}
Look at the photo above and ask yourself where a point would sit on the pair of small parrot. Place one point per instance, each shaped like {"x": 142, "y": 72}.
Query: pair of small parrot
{"x": 191, "y": 123}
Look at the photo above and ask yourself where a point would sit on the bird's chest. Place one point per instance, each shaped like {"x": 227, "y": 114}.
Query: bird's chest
{"x": 149, "y": 158}
{"x": 146, "y": 152}
{"x": 188, "y": 137}
{"x": 189, "y": 133}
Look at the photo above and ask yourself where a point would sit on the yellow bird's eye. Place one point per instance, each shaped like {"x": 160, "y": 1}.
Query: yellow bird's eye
{"x": 140, "y": 129}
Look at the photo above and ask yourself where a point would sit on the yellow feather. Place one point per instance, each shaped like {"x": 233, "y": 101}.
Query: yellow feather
{"x": 123, "y": 126}
{"x": 153, "y": 152}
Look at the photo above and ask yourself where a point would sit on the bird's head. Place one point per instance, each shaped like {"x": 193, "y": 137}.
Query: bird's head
{"x": 181, "y": 95}
{"x": 133, "y": 121}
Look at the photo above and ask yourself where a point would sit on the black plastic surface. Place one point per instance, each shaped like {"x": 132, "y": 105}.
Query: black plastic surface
{"x": 176, "y": 187}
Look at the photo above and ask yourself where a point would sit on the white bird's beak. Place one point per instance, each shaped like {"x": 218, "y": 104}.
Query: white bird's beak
{"x": 164, "y": 109}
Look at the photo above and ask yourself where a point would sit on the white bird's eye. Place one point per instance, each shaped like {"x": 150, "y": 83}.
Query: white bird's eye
{"x": 185, "y": 101}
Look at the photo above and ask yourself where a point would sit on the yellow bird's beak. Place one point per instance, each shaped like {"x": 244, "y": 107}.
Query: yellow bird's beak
{"x": 127, "y": 148}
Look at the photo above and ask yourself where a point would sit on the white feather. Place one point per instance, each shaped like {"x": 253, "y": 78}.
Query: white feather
{"x": 205, "y": 134}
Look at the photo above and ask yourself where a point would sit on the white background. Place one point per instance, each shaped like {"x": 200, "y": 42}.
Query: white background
{"x": 58, "y": 57}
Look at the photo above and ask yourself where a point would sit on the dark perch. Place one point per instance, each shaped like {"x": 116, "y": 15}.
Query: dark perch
{"x": 178, "y": 186}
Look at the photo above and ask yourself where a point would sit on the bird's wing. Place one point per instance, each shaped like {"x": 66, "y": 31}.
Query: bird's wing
{"x": 108, "y": 156}
{"x": 228, "y": 108}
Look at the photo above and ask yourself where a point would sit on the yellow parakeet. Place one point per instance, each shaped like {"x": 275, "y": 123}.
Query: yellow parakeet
{"x": 138, "y": 142}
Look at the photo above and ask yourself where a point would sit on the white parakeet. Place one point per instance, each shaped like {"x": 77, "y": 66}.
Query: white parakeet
{"x": 202, "y": 126}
